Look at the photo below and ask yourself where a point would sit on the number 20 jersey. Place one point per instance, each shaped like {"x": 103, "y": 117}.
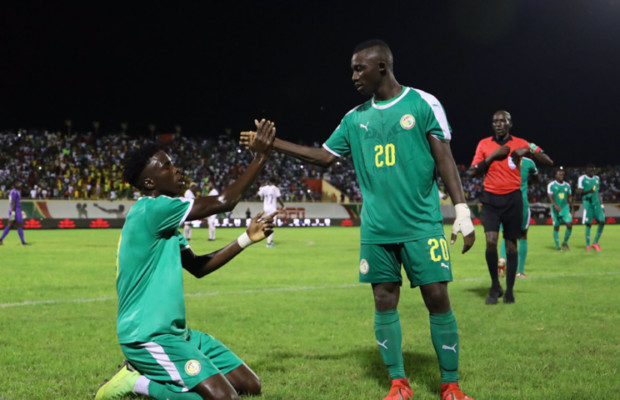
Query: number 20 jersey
{"x": 388, "y": 142}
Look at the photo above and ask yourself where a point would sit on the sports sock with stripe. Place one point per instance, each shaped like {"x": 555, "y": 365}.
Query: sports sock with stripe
{"x": 389, "y": 339}
{"x": 445, "y": 337}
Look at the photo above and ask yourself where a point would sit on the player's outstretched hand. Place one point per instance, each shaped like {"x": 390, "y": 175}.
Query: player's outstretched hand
{"x": 463, "y": 224}
{"x": 265, "y": 136}
{"x": 246, "y": 138}
{"x": 260, "y": 228}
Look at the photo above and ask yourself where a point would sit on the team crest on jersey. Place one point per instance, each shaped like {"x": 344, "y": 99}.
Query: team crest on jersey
{"x": 407, "y": 121}
{"x": 192, "y": 367}
{"x": 364, "y": 266}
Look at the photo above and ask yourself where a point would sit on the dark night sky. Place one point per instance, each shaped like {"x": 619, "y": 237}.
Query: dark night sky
{"x": 553, "y": 64}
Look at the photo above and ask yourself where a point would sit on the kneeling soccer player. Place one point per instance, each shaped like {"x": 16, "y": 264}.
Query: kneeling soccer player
{"x": 166, "y": 359}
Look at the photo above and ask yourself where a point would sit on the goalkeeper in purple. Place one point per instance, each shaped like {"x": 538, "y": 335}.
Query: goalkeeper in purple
{"x": 16, "y": 221}
{"x": 399, "y": 141}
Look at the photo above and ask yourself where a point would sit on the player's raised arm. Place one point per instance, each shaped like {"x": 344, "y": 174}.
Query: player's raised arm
{"x": 230, "y": 196}
{"x": 449, "y": 173}
{"x": 200, "y": 266}
{"x": 314, "y": 155}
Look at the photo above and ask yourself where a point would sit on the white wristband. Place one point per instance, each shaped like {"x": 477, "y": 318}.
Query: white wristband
{"x": 244, "y": 240}
{"x": 462, "y": 211}
{"x": 462, "y": 222}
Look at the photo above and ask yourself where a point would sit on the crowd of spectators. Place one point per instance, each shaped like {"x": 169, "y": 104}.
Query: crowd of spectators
{"x": 54, "y": 165}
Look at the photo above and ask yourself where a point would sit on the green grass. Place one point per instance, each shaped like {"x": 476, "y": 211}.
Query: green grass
{"x": 296, "y": 314}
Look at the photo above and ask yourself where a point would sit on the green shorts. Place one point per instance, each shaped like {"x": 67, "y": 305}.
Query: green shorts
{"x": 425, "y": 261}
{"x": 592, "y": 211}
{"x": 562, "y": 217}
{"x": 179, "y": 363}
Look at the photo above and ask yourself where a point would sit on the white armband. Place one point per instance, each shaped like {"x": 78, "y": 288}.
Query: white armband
{"x": 244, "y": 240}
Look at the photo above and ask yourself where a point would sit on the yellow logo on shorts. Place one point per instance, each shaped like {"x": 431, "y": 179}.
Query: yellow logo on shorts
{"x": 192, "y": 367}
{"x": 364, "y": 266}
{"x": 407, "y": 121}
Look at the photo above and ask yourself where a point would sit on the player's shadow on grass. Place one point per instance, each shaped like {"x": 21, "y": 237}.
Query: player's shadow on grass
{"x": 421, "y": 368}
{"x": 481, "y": 292}
{"x": 278, "y": 361}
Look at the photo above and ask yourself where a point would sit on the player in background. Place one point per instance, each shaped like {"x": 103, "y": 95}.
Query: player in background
{"x": 189, "y": 194}
{"x": 271, "y": 196}
{"x": 560, "y": 196}
{"x": 588, "y": 187}
{"x": 528, "y": 172}
{"x": 499, "y": 158}
{"x": 212, "y": 218}
{"x": 16, "y": 219}
{"x": 166, "y": 359}
{"x": 399, "y": 140}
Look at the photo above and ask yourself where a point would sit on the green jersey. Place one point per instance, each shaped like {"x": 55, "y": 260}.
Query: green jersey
{"x": 149, "y": 277}
{"x": 388, "y": 142}
{"x": 528, "y": 167}
{"x": 560, "y": 192}
{"x": 586, "y": 183}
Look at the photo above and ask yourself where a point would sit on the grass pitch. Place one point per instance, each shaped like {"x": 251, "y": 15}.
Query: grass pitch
{"x": 296, "y": 314}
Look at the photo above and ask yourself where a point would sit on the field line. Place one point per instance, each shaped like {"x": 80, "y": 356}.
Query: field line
{"x": 281, "y": 289}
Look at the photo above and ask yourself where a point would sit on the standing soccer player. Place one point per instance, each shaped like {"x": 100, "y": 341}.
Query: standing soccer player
{"x": 588, "y": 186}
{"x": 212, "y": 218}
{"x": 499, "y": 158}
{"x": 167, "y": 360}
{"x": 271, "y": 196}
{"x": 190, "y": 195}
{"x": 528, "y": 169}
{"x": 16, "y": 219}
{"x": 398, "y": 140}
{"x": 560, "y": 196}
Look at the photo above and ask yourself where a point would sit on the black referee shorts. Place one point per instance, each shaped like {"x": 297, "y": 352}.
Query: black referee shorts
{"x": 504, "y": 209}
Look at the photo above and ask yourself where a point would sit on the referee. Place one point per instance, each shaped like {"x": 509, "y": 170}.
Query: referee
{"x": 499, "y": 157}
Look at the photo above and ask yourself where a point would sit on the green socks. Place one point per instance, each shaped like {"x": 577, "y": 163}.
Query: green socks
{"x": 445, "y": 337}
{"x": 588, "y": 228}
{"x": 599, "y": 231}
{"x": 502, "y": 249}
{"x": 567, "y": 235}
{"x": 522, "y": 251}
{"x": 556, "y": 238}
{"x": 389, "y": 339}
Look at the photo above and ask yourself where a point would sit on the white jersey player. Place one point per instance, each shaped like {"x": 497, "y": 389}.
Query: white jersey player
{"x": 189, "y": 194}
{"x": 271, "y": 196}
{"x": 212, "y": 218}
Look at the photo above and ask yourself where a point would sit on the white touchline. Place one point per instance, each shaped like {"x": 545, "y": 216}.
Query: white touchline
{"x": 282, "y": 289}
{"x": 197, "y": 294}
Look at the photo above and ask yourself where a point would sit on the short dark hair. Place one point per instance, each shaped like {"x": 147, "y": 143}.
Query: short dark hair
{"x": 135, "y": 161}
{"x": 371, "y": 43}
